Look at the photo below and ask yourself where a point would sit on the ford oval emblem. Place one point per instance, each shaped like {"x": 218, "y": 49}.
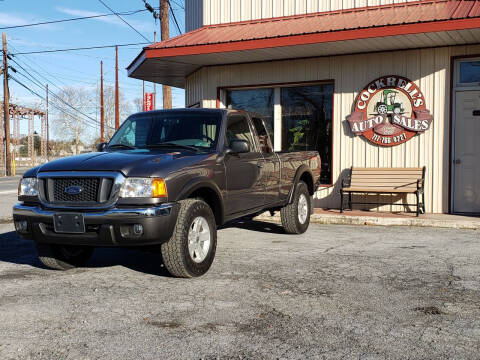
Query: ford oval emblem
{"x": 73, "y": 190}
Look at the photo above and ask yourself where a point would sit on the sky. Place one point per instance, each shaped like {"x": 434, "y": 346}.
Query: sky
{"x": 79, "y": 68}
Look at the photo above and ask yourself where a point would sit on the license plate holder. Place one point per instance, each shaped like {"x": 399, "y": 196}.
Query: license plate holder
{"x": 69, "y": 223}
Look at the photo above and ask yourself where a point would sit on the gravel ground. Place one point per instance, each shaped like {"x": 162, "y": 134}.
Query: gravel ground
{"x": 336, "y": 292}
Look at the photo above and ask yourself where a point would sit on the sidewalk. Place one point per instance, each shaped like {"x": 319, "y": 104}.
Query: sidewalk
{"x": 357, "y": 217}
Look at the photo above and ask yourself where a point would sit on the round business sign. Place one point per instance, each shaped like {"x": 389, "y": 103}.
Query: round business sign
{"x": 390, "y": 111}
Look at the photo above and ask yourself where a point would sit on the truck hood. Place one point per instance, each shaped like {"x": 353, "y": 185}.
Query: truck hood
{"x": 138, "y": 163}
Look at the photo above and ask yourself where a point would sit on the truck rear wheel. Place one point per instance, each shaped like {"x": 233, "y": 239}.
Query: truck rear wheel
{"x": 191, "y": 249}
{"x": 296, "y": 216}
{"x": 63, "y": 257}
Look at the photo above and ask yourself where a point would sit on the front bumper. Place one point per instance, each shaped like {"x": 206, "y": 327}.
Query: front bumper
{"x": 103, "y": 228}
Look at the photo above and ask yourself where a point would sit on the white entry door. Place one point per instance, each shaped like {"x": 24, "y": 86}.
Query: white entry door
{"x": 466, "y": 163}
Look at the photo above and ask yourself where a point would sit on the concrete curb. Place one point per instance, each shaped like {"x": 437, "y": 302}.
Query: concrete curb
{"x": 383, "y": 221}
{"x": 363, "y": 220}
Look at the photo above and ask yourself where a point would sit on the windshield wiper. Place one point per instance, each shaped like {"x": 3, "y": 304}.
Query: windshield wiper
{"x": 172, "y": 145}
{"x": 124, "y": 146}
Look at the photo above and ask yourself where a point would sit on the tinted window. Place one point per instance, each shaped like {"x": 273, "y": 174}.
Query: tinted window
{"x": 307, "y": 122}
{"x": 258, "y": 101}
{"x": 189, "y": 129}
{"x": 237, "y": 129}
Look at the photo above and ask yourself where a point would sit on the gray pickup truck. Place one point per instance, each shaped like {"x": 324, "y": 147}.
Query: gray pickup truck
{"x": 167, "y": 178}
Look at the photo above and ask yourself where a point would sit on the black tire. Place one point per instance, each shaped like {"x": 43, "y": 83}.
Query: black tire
{"x": 289, "y": 213}
{"x": 175, "y": 252}
{"x": 63, "y": 257}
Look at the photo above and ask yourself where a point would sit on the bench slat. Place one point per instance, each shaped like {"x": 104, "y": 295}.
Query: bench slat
{"x": 384, "y": 185}
{"x": 385, "y": 190}
{"x": 386, "y": 176}
{"x": 387, "y": 169}
{"x": 382, "y": 174}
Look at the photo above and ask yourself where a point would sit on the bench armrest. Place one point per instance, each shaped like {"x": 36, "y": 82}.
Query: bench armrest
{"x": 420, "y": 184}
{"x": 346, "y": 182}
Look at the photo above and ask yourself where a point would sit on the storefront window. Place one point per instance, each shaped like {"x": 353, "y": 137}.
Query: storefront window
{"x": 470, "y": 72}
{"x": 306, "y": 117}
{"x": 259, "y": 101}
{"x": 307, "y": 122}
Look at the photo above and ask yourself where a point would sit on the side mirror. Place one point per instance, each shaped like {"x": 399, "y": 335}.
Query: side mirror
{"x": 240, "y": 146}
{"x": 101, "y": 147}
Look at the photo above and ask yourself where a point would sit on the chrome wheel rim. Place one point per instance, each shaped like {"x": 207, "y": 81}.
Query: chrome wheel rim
{"x": 199, "y": 239}
{"x": 302, "y": 209}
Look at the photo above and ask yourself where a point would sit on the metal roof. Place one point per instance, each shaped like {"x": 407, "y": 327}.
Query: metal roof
{"x": 248, "y": 40}
{"x": 357, "y": 18}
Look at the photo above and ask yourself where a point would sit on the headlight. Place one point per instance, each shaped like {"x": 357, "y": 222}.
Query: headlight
{"x": 28, "y": 187}
{"x": 143, "y": 188}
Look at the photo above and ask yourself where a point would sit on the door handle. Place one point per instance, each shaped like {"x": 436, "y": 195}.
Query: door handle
{"x": 260, "y": 164}
{"x": 457, "y": 161}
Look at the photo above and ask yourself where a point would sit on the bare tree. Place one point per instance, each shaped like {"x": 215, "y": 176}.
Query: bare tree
{"x": 109, "y": 101}
{"x": 138, "y": 104}
{"x": 68, "y": 121}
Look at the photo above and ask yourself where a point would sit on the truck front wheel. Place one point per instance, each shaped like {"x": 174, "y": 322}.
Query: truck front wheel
{"x": 296, "y": 216}
{"x": 191, "y": 249}
{"x": 63, "y": 257}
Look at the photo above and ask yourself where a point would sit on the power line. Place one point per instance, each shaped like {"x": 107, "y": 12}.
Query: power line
{"x": 41, "y": 75}
{"x": 42, "y": 98}
{"x": 174, "y": 17}
{"x": 78, "y": 49}
{"x": 48, "y": 80}
{"x": 40, "y": 85}
{"x": 180, "y": 5}
{"x": 113, "y": 12}
{"x": 71, "y": 19}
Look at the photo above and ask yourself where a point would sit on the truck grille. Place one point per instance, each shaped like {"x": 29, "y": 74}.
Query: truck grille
{"x": 79, "y": 189}
{"x": 89, "y": 190}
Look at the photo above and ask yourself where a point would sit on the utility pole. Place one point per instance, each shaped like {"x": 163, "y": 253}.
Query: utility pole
{"x": 48, "y": 126}
{"x": 6, "y": 108}
{"x": 102, "y": 109}
{"x": 154, "y": 84}
{"x": 165, "y": 32}
{"x": 117, "y": 101}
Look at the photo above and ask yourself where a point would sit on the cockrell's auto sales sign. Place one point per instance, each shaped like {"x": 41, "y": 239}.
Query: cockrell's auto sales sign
{"x": 390, "y": 111}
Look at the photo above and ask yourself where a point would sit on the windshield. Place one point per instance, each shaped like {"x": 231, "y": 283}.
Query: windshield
{"x": 193, "y": 131}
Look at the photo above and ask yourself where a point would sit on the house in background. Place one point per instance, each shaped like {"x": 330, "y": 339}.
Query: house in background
{"x": 367, "y": 83}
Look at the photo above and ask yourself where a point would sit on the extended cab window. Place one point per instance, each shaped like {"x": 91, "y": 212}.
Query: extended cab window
{"x": 263, "y": 138}
{"x": 238, "y": 129}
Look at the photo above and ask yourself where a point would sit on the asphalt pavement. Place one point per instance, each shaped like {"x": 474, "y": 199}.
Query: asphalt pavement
{"x": 336, "y": 292}
{"x": 8, "y": 196}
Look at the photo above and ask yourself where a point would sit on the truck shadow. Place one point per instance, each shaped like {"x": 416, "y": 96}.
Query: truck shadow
{"x": 15, "y": 250}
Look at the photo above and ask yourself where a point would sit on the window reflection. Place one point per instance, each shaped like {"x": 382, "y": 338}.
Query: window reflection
{"x": 307, "y": 122}
{"x": 306, "y": 117}
{"x": 259, "y": 101}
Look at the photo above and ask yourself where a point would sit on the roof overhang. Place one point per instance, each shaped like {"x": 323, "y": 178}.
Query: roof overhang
{"x": 171, "y": 65}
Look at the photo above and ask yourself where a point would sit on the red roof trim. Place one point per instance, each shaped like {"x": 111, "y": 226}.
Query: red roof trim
{"x": 293, "y": 40}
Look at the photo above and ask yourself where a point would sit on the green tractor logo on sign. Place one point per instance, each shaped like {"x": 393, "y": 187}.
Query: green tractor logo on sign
{"x": 388, "y": 105}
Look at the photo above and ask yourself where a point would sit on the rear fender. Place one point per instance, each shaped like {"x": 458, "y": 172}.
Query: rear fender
{"x": 300, "y": 171}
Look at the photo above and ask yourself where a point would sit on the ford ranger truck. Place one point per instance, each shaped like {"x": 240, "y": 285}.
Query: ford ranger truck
{"x": 167, "y": 178}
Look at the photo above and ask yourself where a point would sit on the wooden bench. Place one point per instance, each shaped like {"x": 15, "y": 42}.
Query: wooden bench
{"x": 385, "y": 181}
